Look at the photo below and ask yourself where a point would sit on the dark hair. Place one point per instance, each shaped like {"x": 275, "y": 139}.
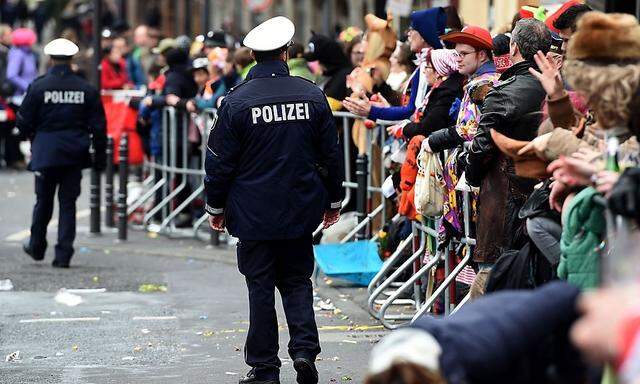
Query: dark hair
{"x": 517, "y": 17}
{"x": 453, "y": 18}
{"x": 176, "y": 56}
{"x": 489, "y": 53}
{"x": 405, "y": 57}
{"x": 531, "y": 36}
{"x": 269, "y": 55}
{"x": 569, "y": 18}
{"x": 501, "y": 44}
{"x": 155, "y": 69}
{"x": 349, "y": 45}
{"x": 242, "y": 57}
{"x": 295, "y": 50}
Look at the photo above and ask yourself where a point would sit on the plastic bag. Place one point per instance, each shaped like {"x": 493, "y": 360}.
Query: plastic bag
{"x": 429, "y": 186}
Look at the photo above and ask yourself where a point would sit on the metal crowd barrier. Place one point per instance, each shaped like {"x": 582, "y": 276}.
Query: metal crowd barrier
{"x": 167, "y": 176}
{"x": 388, "y": 283}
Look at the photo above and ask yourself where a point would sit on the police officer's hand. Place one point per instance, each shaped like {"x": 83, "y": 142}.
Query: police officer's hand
{"x": 330, "y": 217}
{"x": 216, "y": 222}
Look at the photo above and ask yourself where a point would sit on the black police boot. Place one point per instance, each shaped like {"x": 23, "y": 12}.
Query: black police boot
{"x": 60, "y": 264}
{"x": 306, "y": 369}
{"x": 250, "y": 378}
{"x": 37, "y": 256}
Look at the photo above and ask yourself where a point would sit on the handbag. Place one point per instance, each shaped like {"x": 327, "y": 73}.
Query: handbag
{"x": 429, "y": 186}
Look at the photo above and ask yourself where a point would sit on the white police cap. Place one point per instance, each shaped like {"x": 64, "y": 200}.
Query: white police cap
{"x": 270, "y": 35}
{"x": 61, "y": 48}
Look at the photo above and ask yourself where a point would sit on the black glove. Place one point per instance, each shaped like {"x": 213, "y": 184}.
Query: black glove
{"x": 625, "y": 196}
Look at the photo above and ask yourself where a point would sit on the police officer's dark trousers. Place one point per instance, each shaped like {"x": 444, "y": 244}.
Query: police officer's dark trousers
{"x": 67, "y": 181}
{"x": 288, "y": 266}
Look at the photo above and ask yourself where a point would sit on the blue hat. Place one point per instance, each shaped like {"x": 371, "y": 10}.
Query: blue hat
{"x": 430, "y": 24}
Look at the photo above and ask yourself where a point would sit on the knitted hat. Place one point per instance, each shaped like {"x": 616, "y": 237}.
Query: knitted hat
{"x": 605, "y": 37}
{"x": 430, "y": 24}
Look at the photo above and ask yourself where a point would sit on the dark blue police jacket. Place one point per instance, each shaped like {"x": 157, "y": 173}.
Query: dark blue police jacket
{"x": 59, "y": 114}
{"x": 273, "y": 163}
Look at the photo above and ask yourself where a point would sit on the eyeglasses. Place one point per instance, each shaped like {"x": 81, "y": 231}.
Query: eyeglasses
{"x": 464, "y": 54}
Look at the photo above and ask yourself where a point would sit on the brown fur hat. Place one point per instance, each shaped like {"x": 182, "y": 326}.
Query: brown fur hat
{"x": 605, "y": 37}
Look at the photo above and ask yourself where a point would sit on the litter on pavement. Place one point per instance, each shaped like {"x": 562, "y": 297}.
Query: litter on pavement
{"x": 67, "y": 298}
{"x": 147, "y": 288}
{"x": 87, "y": 290}
{"x": 6, "y": 285}
{"x": 13, "y": 356}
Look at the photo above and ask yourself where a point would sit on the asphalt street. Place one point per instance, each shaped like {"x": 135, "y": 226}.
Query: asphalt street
{"x": 191, "y": 330}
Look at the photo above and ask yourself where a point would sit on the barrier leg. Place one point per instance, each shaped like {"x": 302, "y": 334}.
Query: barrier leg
{"x": 361, "y": 194}
{"x": 109, "y": 220}
{"x": 94, "y": 202}
{"x": 122, "y": 188}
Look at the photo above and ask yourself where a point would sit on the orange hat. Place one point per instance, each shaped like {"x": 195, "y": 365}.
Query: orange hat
{"x": 476, "y": 37}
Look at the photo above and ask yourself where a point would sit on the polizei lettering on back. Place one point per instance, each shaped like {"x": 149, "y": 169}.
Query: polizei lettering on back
{"x": 64, "y": 97}
{"x": 280, "y": 112}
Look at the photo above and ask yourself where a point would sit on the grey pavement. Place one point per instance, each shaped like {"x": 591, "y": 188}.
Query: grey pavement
{"x": 191, "y": 333}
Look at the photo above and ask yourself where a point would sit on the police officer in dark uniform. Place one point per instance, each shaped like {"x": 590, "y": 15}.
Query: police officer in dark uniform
{"x": 274, "y": 173}
{"x": 61, "y": 114}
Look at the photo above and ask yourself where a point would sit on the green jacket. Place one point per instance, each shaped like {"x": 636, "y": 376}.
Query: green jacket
{"x": 245, "y": 70}
{"x": 584, "y": 228}
{"x": 299, "y": 67}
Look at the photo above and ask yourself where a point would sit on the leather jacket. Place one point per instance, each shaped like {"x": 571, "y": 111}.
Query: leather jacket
{"x": 505, "y": 109}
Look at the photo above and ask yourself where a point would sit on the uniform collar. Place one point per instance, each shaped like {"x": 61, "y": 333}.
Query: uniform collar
{"x": 272, "y": 68}
{"x": 60, "y": 69}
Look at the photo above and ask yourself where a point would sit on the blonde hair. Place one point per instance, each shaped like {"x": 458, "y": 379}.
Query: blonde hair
{"x": 406, "y": 373}
{"x": 609, "y": 88}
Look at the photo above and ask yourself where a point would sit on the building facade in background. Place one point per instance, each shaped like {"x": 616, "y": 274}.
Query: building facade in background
{"x": 192, "y": 17}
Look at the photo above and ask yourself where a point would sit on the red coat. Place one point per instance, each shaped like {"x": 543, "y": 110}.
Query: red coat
{"x": 113, "y": 76}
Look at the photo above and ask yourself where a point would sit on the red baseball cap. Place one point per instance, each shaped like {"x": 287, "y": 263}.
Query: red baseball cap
{"x": 476, "y": 37}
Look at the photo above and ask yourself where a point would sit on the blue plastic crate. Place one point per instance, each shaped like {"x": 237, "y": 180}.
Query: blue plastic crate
{"x": 356, "y": 261}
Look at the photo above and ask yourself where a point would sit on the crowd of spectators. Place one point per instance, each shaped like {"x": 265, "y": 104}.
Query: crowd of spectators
{"x": 539, "y": 124}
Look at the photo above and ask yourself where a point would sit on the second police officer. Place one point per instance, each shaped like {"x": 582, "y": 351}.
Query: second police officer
{"x": 273, "y": 174}
{"x": 61, "y": 114}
